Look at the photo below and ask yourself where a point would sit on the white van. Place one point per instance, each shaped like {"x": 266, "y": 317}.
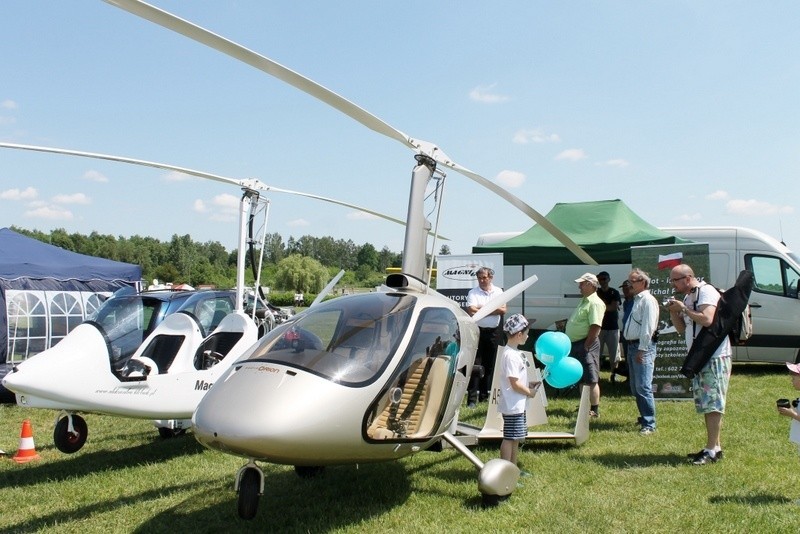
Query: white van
{"x": 774, "y": 301}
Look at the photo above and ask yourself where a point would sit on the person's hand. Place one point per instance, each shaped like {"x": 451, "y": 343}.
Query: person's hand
{"x": 788, "y": 412}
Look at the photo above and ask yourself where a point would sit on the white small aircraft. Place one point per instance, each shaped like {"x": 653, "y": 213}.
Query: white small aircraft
{"x": 362, "y": 378}
{"x": 92, "y": 370}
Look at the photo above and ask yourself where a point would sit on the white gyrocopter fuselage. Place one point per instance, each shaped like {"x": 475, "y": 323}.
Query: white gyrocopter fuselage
{"x": 362, "y": 378}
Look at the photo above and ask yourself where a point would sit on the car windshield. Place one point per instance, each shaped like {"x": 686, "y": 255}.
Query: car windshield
{"x": 348, "y": 340}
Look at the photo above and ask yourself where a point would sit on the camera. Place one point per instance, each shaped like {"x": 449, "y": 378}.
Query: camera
{"x": 784, "y": 403}
{"x": 666, "y": 301}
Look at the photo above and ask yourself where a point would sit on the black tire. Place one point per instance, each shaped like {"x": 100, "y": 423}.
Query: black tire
{"x": 168, "y": 433}
{"x": 490, "y": 501}
{"x": 309, "y": 471}
{"x": 69, "y": 442}
{"x": 249, "y": 487}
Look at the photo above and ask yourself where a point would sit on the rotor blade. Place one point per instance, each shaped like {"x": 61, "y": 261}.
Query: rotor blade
{"x": 123, "y": 159}
{"x": 237, "y": 51}
{"x": 503, "y": 298}
{"x": 328, "y": 288}
{"x": 249, "y": 184}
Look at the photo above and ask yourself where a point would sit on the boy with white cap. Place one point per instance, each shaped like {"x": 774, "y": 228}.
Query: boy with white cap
{"x": 514, "y": 389}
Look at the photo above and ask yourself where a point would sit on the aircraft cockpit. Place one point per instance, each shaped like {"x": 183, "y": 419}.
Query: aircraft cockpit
{"x": 347, "y": 340}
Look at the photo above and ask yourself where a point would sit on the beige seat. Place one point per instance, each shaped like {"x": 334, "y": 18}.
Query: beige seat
{"x": 415, "y": 416}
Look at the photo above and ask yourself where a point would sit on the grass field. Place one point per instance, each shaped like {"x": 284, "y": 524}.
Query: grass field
{"x": 127, "y": 479}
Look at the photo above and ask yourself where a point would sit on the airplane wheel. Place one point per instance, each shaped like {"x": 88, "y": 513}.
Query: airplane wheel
{"x": 249, "y": 487}
{"x": 69, "y": 442}
{"x": 167, "y": 433}
{"x": 490, "y": 501}
{"x": 308, "y": 471}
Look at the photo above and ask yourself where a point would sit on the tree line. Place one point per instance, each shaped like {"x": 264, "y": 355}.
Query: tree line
{"x": 303, "y": 264}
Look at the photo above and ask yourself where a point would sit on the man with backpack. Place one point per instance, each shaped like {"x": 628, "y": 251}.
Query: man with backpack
{"x": 710, "y": 384}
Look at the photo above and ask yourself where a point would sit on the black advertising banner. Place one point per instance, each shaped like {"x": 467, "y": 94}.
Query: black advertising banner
{"x": 658, "y": 261}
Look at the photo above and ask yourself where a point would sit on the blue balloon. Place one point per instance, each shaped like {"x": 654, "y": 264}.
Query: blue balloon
{"x": 552, "y": 346}
{"x": 563, "y": 373}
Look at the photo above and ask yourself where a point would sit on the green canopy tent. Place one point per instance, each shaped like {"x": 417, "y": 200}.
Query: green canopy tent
{"x": 605, "y": 229}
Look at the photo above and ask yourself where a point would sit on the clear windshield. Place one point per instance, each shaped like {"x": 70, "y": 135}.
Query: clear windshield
{"x": 349, "y": 340}
{"x": 126, "y": 322}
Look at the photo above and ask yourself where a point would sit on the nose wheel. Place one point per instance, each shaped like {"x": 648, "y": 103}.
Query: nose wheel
{"x": 70, "y": 433}
{"x": 250, "y": 485}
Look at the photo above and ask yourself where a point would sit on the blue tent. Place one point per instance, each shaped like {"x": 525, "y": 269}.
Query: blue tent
{"x": 45, "y": 291}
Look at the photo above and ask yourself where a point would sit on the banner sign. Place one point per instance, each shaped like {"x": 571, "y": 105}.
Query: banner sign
{"x": 658, "y": 261}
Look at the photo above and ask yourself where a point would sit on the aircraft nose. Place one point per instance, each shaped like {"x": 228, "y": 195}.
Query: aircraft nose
{"x": 270, "y": 413}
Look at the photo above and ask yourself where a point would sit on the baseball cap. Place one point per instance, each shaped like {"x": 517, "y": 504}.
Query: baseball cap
{"x": 515, "y": 324}
{"x": 793, "y": 367}
{"x": 626, "y": 283}
{"x": 587, "y": 277}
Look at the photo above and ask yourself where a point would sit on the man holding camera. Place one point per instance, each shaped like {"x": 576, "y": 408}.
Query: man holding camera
{"x": 640, "y": 331}
{"x": 710, "y": 385}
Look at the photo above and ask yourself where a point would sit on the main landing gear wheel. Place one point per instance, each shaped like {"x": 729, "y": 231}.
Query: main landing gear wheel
{"x": 309, "y": 471}
{"x": 167, "y": 433}
{"x": 249, "y": 488}
{"x": 69, "y": 442}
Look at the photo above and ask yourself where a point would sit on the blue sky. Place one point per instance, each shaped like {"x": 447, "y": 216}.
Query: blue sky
{"x": 688, "y": 111}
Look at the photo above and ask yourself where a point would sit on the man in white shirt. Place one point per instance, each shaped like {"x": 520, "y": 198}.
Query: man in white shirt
{"x": 490, "y": 332}
{"x": 638, "y": 330}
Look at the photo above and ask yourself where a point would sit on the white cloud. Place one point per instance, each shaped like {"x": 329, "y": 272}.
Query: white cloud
{"x": 523, "y": 137}
{"x": 5, "y": 121}
{"x": 29, "y": 193}
{"x": 225, "y": 208}
{"x": 572, "y": 154}
{"x": 754, "y": 207}
{"x": 226, "y": 201}
{"x": 75, "y": 198}
{"x": 512, "y": 179}
{"x": 95, "y": 176}
{"x": 50, "y": 212}
{"x": 620, "y": 163}
{"x": 8, "y": 104}
{"x": 484, "y": 94}
{"x": 175, "y": 176}
{"x": 199, "y": 206}
{"x": 689, "y": 217}
{"x": 360, "y": 216}
{"x": 718, "y": 195}
{"x": 298, "y": 222}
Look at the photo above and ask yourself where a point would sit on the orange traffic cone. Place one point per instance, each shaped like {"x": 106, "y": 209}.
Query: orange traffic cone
{"x": 27, "y": 450}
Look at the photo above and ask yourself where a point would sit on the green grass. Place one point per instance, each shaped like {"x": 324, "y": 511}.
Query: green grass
{"x": 127, "y": 479}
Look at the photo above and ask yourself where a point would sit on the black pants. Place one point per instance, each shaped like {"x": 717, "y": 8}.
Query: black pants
{"x": 479, "y": 387}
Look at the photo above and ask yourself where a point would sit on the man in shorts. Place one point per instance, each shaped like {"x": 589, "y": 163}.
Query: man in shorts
{"x": 583, "y": 330}
{"x": 710, "y": 385}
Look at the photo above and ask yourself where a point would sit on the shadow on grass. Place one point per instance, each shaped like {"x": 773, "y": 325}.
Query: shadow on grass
{"x": 635, "y": 461}
{"x": 750, "y": 500}
{"x": 65, "y": 516}
{"x": 82, "y": 464}
{"x": 341, "y": 497}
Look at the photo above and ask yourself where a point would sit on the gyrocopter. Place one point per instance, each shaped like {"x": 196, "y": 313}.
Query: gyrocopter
{"x": 104, "y": 366}
{"x": 361, "y": 378}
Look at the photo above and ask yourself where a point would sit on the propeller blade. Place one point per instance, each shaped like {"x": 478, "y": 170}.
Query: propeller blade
{"x": 237, "y": 51}
{"x": 504, "y": 297}
{"x": 248, "y": 184}
{"x": 328, "y": 288}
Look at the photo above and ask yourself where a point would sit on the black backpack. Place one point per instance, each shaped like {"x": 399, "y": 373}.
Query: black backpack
{"x": 728, "y": 320}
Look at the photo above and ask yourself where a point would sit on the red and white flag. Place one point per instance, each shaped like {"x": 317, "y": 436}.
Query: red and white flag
{"x": 668, "y": 261}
